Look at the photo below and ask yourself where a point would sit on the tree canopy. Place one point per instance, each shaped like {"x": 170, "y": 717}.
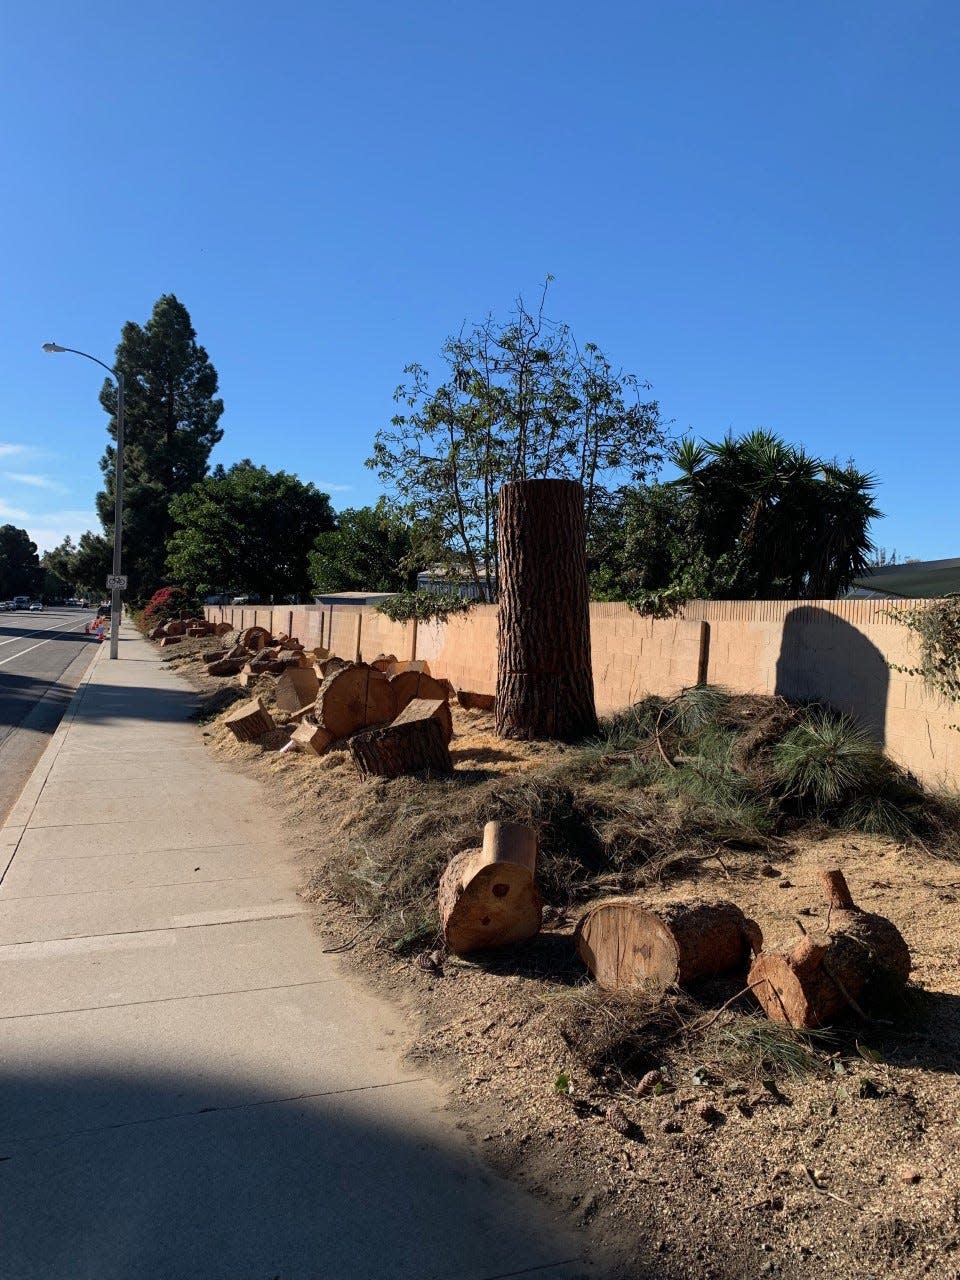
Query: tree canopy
{"x": 19, "y": 562}
{"x": 370, "y": 549}
{"x": 521, "y": 401}
{"x": 170, "y": 414}
{"x": 748, "y": 518}
{"x": 247, "y": 528}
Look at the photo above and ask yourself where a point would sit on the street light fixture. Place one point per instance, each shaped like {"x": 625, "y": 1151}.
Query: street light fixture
{"x": 115, "y": 602}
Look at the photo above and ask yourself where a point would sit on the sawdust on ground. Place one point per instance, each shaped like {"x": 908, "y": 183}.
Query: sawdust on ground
{"x": 852, "y": 1169}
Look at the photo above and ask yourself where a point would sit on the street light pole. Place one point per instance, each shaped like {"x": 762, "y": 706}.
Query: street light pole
{"x": 115, "y": 600}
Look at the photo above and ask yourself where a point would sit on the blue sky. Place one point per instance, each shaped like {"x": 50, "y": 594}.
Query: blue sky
{"x": 752, "y": 205}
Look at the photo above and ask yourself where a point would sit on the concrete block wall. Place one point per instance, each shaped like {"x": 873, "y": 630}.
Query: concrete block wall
{"x": 840, "y": 652}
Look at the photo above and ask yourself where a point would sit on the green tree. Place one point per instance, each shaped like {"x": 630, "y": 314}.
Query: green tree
{"x": 171, "y": 414}
{"x": 371, "y": 549}
{"x": 60, "y": 563}
{"x": 521, "y": 401}
{"x": 749, "y": 518}
{"x": 247, "y": 528}
{"x": 92, "y": 562}
{"x": 19, "y": 562}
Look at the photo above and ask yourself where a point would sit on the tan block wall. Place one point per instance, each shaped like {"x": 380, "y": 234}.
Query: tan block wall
{"x": 835, "y": 651}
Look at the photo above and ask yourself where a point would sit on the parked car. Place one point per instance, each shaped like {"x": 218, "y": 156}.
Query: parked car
{"x": 36, "y": 607}
{"x": 21, "y": 602}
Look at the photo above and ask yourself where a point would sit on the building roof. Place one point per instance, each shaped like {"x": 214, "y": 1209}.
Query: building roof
{"x": 919, "y": 580}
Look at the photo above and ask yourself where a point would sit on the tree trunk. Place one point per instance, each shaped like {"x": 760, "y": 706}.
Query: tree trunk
{"x": 855, "y": 965}
{"x": 544, "y": 673}
{"x": 250, "y": 721}
{"x": 225, "y": 667}
{"x": 488, "y": 897}
{"x": 395, "y": 749}
{"x": 255, "y": 638}
{"x": 624, "y": 944}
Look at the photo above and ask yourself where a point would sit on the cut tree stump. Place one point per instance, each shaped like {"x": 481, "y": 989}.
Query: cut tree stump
{"x": 625, "y": 944}
{"x": 471, "y": 701}
{"x": 544, "y": 672}
{"x": 384, "y": 662}
{"x": 488, "y": 897}
{"x": 856, "y": 965}
{"x": 255, "y": 638}
{"x": 428, "y": 708}
{"x": 312, "y": 739}
{"x": 168, "y": 640}
{"x": 222, "y": 629}
{"x": 225, "y": 667}
{"x": 297, "y": 688}
{"x": 395, "y": 749}
{"x": 175, "y": 627}
{"x": 250, "y": 721}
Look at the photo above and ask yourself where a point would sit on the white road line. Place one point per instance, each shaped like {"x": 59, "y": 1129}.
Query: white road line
{"x": 40, "y": 643}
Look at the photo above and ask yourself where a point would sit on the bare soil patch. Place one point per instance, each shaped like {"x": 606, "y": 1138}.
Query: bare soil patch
{"x": 762, "y": 1153}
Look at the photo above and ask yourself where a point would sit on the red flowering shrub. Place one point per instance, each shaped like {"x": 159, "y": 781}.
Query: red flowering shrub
{"x": 167, "y": 603}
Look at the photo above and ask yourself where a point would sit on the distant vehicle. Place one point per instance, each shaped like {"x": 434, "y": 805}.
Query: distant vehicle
{"x": 252, "y": 598}
{"x": 5, "y": 606}
{"x": 36, "y": 607}
{"x": 71, "y": 602}
{"x": 21, "y": 602}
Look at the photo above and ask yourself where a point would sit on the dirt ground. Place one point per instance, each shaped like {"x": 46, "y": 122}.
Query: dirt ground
{"x": 842, "y": 1159}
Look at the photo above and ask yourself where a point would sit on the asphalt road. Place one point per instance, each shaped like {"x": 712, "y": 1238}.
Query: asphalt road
{"x": 42, "y": 659}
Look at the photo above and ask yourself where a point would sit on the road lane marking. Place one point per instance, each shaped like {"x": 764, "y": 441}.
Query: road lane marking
{"x": 39, "y": 644}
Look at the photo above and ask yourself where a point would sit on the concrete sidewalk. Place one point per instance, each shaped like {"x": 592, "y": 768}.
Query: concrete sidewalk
{"x": 189, "y": 1087}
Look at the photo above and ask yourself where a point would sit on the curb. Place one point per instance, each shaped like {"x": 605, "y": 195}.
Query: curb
{"x": 20, "y": 814}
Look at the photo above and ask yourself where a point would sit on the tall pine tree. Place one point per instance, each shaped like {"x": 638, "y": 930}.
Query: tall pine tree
{"x": 170, "y": 417}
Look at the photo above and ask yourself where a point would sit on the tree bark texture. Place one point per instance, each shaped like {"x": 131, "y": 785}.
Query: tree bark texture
{"x": 402, "y": 748}
{"x": 625, "y": 944}
{"x": 544, "y": 672}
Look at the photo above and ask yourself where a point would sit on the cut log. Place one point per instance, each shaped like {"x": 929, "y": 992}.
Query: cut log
{"x": 354, "y": 698}
{"x": 213, "y": 655}
{"x": 471, "y": 701}
{"x": 330, "y": 666}
{"x": 250, "y": 721}
{"x": 395, "y": 749}
{"x": 309, "y": 711}
{"x": 168, "y": 640}
{"x": 411, "y": 664}
{"x": 408, "y": 685}
{"x": 157, "y": 633}
{"x": 238, "y": 651}
{"x": 255, "y": 638}
{"x": 222, "y": 629}
{"x": 855, "y": 966}
{"x": 296, "y": 688}
{"x": 625, "y": 944}
{"x": 428, "y": 708}
{"x": 225, "y": 667}
{"x": 312, "y": 739}
{"x": 175, "y": 627}
{"x": 488, "y": 897}
{"x": 383, "y": 662}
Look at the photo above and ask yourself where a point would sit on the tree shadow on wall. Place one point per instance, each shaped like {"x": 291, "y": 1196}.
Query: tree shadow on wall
{"x": 825, "y": 659}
